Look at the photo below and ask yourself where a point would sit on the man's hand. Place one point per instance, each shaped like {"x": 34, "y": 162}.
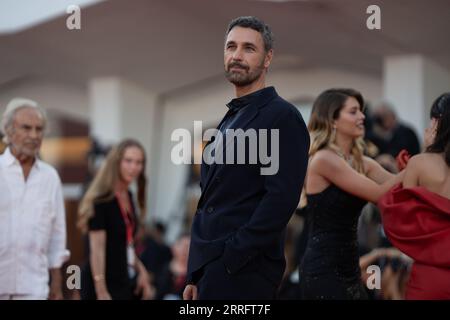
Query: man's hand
{"x": 144, "y": 286}
{"x": 190, "y": 292}
{"x": 390, "y": 284}
{"x": 55, "y": 293}
{"x": 55, "y": 285}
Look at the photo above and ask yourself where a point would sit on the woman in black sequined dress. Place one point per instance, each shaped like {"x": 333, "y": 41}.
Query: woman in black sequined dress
{"x": 340, "y": 180}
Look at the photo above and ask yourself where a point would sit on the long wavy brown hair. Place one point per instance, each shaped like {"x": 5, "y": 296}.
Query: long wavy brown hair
{"x": 325, "y": 111}
{"x": 106, "y": 179}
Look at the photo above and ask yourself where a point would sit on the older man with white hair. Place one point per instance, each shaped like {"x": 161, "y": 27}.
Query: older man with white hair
{"x": 32, "y": 215}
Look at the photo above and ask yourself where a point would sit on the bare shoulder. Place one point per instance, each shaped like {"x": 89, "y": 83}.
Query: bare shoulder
{"x": 430, "y": 170}
{"x": 325, "y": 154}
{"x": 324, "y": 159}
{"x": 423, "y": 160}
{"x": 319, "y": 169}
{"x": 414, "y": 165}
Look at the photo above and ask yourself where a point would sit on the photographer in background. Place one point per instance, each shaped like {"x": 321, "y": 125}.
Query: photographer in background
{"x": 390, "y": 135}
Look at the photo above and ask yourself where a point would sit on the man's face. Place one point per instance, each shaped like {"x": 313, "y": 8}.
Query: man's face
{"x": 26, "y": 132}
{"x": 245, "y": 59}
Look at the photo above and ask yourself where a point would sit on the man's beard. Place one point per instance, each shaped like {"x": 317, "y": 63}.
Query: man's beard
{"x": 244, "y": 78}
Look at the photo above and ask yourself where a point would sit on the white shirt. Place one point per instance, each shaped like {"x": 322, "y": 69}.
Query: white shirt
{"x": 32, "y": 226}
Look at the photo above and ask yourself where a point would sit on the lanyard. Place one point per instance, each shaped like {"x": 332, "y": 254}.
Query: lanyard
{"x": 129, "y": 223}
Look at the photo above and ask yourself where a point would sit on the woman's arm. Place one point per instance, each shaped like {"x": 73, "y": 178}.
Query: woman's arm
{"x": 375, "y": 172}
{"x": 97, "y": 241}
{"x": 330, "y": 166}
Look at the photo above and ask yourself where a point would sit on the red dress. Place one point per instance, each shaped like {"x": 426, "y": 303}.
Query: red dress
{"x": 417, "y": 221}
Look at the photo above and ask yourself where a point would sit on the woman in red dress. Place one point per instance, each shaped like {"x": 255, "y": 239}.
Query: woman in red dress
{"x": 416, "y": 214}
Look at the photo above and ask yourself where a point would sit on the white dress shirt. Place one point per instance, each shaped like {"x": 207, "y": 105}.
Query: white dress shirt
{"x": 32, "y": 227}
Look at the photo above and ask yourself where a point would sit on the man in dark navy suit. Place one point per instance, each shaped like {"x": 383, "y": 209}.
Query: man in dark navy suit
{"x": 238, "y": 232}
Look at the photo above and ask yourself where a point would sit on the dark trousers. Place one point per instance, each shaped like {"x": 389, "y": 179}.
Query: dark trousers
{"x": 247, "y": 284}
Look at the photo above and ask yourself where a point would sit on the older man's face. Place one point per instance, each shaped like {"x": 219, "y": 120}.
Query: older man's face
{"x": 27, "y": 132}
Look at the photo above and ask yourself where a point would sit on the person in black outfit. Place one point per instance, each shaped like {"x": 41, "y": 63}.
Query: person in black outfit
{"x": 340, "y": 180}
{"x": 238, "y": 231}
{"x": 107, "y": 214}
{"x": 156, "y": 253}
{"x": 170, "y": 281}
{"x": 390, "y": 135}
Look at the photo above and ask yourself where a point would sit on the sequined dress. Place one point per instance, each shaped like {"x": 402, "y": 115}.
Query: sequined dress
{"x": 330, "y": 266}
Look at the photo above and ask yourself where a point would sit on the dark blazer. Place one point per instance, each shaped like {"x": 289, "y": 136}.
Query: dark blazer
{"x": 242, "y": 215}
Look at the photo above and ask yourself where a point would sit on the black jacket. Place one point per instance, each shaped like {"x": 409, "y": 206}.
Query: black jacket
{"x": 242, "y": 214}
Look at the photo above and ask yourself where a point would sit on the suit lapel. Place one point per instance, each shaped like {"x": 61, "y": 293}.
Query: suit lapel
{"x": 241, "y": 123}
{"x": 206, "y": 168}
{"x": 244, "y": 120}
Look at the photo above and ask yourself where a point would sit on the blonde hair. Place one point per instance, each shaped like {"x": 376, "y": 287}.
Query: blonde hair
{"x": 102, "y": 187}
{"x": 326, "y": 109}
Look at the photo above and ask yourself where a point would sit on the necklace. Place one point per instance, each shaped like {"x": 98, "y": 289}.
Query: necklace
{"x": 348, "y": 159}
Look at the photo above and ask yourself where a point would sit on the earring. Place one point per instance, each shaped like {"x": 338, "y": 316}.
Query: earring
{"x": 333, "y": 135}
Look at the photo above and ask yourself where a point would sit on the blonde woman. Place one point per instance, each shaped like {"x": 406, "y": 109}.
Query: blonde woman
{"x": 107, "y": 213}
{"x": 340, "y": 180}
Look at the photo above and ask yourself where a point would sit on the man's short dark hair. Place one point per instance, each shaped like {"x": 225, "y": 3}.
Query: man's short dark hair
{"x": 255, "y": 24}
